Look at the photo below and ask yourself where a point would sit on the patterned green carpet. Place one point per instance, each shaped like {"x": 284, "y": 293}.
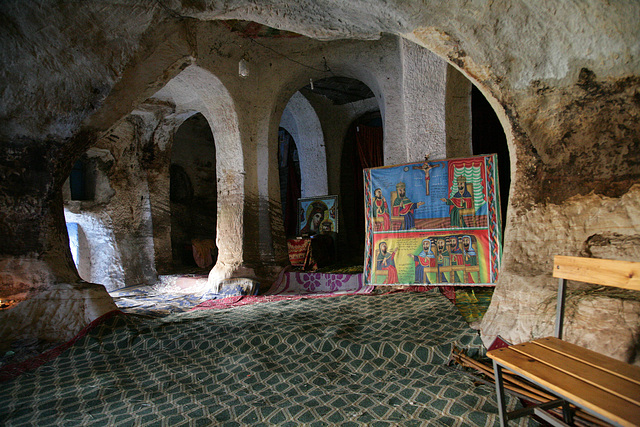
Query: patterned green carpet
{"x": 376, "y": 360}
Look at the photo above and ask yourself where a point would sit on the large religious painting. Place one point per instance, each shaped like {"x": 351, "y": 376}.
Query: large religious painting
{"x": 434, "y": 222}
{"x": 317, "y": 215}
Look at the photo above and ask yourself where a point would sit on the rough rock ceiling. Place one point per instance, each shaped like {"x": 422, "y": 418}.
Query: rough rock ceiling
{"x": 254, "y": 30}
{"x": 340, "y": 90}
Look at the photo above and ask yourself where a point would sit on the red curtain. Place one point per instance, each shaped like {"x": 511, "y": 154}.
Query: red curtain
{"x": 369, "y": 155}
{"x": 369, "y": 146}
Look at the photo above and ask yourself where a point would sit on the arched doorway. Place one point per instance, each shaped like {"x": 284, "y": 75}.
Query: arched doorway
{"x": 198, "y": 90}
{"x": 363, "y": 148}
{"x": 289, "y": 170}
{"x": 193, "y": 195}
{"x": 322, "y": 118}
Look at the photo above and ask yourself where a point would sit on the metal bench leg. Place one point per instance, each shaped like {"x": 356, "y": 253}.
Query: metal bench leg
{"x": 567, "y": 413}
{"x": 502, "y": 406}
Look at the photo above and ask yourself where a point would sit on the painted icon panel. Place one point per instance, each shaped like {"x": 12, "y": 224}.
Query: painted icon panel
{"x": 433, "y": 222}
{"x": 317, "y": 215}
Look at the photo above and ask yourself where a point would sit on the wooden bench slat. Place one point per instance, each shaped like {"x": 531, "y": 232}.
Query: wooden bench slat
{"x": 568, "y": 364}
{"x": 606, "y": 363}
{"x": 582, "y": 393}
{"x": 621, "y": 274}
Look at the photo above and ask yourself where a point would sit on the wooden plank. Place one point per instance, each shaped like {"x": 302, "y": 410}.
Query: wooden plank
{"x": 606, "y": 363}
{"x": 608, "y": 382}
{"x": 613, "y": 408}
{"x": 608, "y": 272}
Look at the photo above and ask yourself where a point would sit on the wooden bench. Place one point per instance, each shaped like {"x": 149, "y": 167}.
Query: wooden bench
{"x": 602, "y": 386}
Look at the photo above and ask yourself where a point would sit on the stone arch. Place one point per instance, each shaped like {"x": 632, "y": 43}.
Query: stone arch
{"x": 301, "y": 121}
{"x": 473, "y": 128}
{"x": 198, "y": 90}
{"x": 328, "y": 163}
{"x": 290, "y": 92}
{"x": 488, "y": 137}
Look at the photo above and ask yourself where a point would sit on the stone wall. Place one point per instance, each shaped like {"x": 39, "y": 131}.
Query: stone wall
{"x": 116, "y": 216}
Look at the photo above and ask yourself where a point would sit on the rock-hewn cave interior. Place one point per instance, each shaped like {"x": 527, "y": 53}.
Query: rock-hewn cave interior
{"x": 163, "y": 145}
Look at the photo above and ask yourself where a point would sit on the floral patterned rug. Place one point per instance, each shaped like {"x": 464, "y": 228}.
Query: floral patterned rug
{"x": 311, "y": 282}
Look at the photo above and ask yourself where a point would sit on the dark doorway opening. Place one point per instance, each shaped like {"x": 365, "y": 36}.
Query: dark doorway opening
{"x": 363, "y": 148}
{"x": 193, "y": 195}
{"x": 488, "y": 137}
{"x": 82, "y": 179}
{"x": 289, "y": 169}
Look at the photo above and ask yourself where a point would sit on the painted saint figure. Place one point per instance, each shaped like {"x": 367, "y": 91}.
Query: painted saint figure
{"x": 457, "y": 260}
{"x": 461, "y": 200}
{"x": 381, "y": 209}
{"x": 443, "y": 261}
{"x": 386, "y": 261}
{"x": 404, "y": 207}
{"x": 424, "y": 261}
{"x": 314, "y": 219}
{"x": 470, "y": 260}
